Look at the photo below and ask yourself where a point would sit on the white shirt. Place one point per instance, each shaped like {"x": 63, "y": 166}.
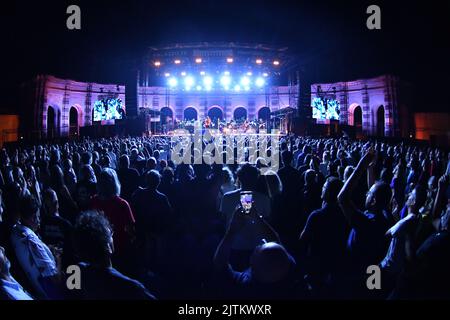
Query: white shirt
{"x": 249, "y": 237}
{"x": 34, "y": 256}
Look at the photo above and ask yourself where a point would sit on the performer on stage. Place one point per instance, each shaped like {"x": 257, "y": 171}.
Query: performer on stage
{"x": 207, "y": 122}
{"x": 245, "y": 126}
{"x": 262, "y": 124}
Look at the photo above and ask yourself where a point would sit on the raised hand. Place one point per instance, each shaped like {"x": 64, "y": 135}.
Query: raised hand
{"x": 368, "y": 158}
{"x": 374, "y": 159}
{"x": 443, "y": 182}
{"x": 238, "y": 220}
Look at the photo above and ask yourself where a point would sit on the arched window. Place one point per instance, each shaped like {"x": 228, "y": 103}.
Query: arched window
{"x": 166, "y": 115}
{"x": 73, "y": 121}
{"x": 240, "y": 114}
{"x": 380, "y": 121}
{"x": 51, "y": 123}
{"x": 357, "y": 117}
{"x": 264, "y": 114}
{"x": 190, "y": 114}
{"x": 215, "y": 114}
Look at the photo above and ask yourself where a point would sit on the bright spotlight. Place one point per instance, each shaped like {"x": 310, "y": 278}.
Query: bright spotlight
{"x": 249, "y": 73}
{"x": 258, "y": 61}
{"x": 230, "y": 60}
{"x": 208, "y": 81}
{"x": 183, "y": 73}
{"x": 260, "y": 82}
{"x": 237, "y": 88}
{"x": 198, "y": 60}
{"x": 166, "y": 74}
{"x": 199, "y": 88}
{"x": 202, "y": 73}
{"x": 173, "y": 82}
{"x": 225, "y": 81}
{"x": 227, "y": 73}
{"x": 177, "y": 61}
{"x": 157, "y": 63}
{"x": 245, "y": 81}
{"x": 276, "y": 63}
{"x": 265, "y": 74}
{"x": 189, "y": 82}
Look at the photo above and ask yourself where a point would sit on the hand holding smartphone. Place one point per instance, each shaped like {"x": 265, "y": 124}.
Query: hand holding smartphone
{"x": 247, "y": 201}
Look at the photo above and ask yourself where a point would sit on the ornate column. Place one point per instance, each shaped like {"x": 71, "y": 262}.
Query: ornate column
{"x": 388, "y": 125}
{"x": 41, "y": 106}
{"x": 343, "y": 101}
{"x": 64, "y": 124}
{"x": 88, "y": 106}
{"x": 366, "y": 114}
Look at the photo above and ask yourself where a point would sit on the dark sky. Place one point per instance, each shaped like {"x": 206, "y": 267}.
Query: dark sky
{"x": 329, "y": 38}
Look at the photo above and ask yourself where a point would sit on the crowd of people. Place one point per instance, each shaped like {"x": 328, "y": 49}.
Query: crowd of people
{"x": 139, "y": 226}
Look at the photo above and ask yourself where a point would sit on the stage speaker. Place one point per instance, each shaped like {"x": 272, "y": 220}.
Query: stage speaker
{"x": 131, "y": 92}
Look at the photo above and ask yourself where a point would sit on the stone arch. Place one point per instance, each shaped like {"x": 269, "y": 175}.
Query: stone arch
{"x": 75, "y": 119}
{"x": 215, "y": 106}
{"x": 355, "y": 115}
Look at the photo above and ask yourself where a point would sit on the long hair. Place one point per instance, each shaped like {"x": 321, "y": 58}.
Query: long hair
{"x": 108, "y": 184}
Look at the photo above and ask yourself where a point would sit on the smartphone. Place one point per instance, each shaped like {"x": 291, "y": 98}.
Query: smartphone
{"x": 246, "y": 201}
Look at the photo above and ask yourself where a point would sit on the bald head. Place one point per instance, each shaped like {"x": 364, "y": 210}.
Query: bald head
{"x": 270, "y": 263}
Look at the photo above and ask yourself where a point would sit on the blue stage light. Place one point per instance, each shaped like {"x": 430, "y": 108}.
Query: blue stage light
{"x": 245, "y": 81}
{"x": 208, "y": 82}
{"x": 260, "y": 82}
{"x": 173, "y": 82}
{"x": 189, "y": 82}
{"x": 225, "y": 81}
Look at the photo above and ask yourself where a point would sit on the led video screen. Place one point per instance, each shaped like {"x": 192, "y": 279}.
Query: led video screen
{"x": 323, "y": 109}
{"x": 108, "y": 109}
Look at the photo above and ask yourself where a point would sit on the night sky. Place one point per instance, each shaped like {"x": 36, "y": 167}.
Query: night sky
{"x": 330, "y": 39}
